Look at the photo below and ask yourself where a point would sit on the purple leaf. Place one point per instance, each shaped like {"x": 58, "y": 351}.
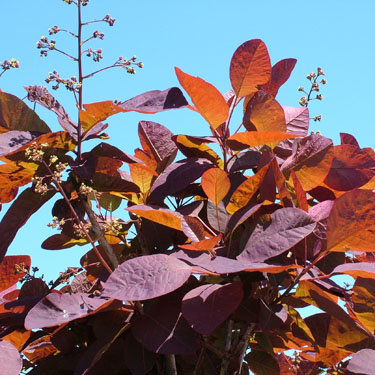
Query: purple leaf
{"x": 157, "y": 139}
{"x": 146, "y": 277}
{"x": 321, "y": 210}
{"x": 271, "y": 318}
{"x": 223, "y": 215}
{"x": 105, "y": 183}
{"x": 40, "y": 95}
{"x": 162, "y": 329}
{"x": 244, "y": 160}
{"x": 207, "y": 306}
{"x": 177, "y": 177}
{"x": 11, "y": 362}
{"x": 241, "y": 215}
{"x": 15, "y": 139}
{"x": 192, "y": 228}
{"x": 56, "y": 308}
{"x": 297, "y": 120}
{"x": 156, "y": 101}
{"x": 26, "y": 204}
{"x": 362, "y": 363}
{"x": 137, "y": 359}
{"x": 286, "y": 228}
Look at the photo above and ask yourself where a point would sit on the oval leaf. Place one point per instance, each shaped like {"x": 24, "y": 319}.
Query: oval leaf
{"x": 216, "y": 184}
{"x": 146, "y": 277}
{"x": 362, "y": 362}
{"x": 250, "y": 66}
{"x": 11, "y": 362}
{"x": 207, "y": 306}
{"x": 11, "y": 270}
{"x": 206, "y": 98}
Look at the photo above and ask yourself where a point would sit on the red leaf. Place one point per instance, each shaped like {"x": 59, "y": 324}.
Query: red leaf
{"x": 206, "y": 98}
{"x": 300, "y": 193}
{"x": 207, "y": 306}
{"x": 203, "y": 245}
{"x": 348, "y": 139}
{"x": 250, "y": 66}
{"x": 146, "y": 277}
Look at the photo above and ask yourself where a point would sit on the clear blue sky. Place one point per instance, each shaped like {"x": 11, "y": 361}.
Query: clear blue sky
{"x": 199, "y": 37}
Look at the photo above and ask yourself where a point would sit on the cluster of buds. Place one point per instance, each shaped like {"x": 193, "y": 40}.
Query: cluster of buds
{"x": 35, "y": 151}
{"x": 9, "y": 64}
{"x": 315, "y": 87}
{"x": 39, "y": 186}
{"x": 45, "y": 44}
{"x": 70, "y": 84}
{"x": 56, "y": 223}
{"x": 95, "y": 53}
{"x": 53, "y": 30}
{"x": 107, "y": 18}
{"x": 21, "y": 268}
{"x": 127, "y": 64}
{"x": 79, "y": 232}
{"x": 85, "y": 190}
{"x": 97, "y": 34}
{"x": 113, "y": 226}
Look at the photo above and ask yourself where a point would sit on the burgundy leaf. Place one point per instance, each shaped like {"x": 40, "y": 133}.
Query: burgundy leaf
{"x": 40, "y": 95}
{"x": 279, "y": 75}
{"x": 362, "y": 363}
{"x": 348, "y": 139}
{"x": 27, "y": 203}
{"x": 137, "y": 358}
{"x": 156, "y": 139}
{"x": 104, "y": 183}
{"x": 146, "y": 277}
{"x": 177, "y": 177}
{"x": 15, "y": 139}
{"x": 271, "y": 318}
{"x": 287, "y": 227}
{"x": 223, "y": 216}
{"x": 244, "y": 160}
{"x": 162, "y": 329}
{"x": 56, "y": 308}
{"x": 241, "y": 215}
{"x": 207, "y": 306}
{"x": 11, "y": 362}
{"x": 156, "y": 101}
{"x": 193, "y": 228}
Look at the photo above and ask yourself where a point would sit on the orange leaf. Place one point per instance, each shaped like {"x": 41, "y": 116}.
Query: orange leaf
{"x": 204, "y": 245}
{"x": 350, "y": 224}
{"x": 206, "y": 98}
{"x": 11, "y": 269}
{"x": 300, "y": 193}
{"x": 240, "y": 141}
{"x": 158, "y": 215}
{"x": 141, "y": 177}
{"x": 250, "y": 66}
{"x": 96, "y": 112}
{"x": 264, "y": 113}
{"x": 243, "y": 194}
{"x": 215, "y": 184}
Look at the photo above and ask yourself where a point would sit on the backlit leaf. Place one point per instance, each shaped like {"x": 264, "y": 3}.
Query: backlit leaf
{"x": 311, "y": 161}
{"x": 300, "y": 193}
{"x": 348, "y": 139}
{"x": 262, "y": 363}
{"x": 351, "y": 222}
{"x": 240, "y": 141}
{"x": 279, "y": 75}
{"x": 250, "y": 66}
{"x": 146, "y": 277}
{"x": 11, "y": 269}
{"x": 206, "y": 98}
{"x": 243, "y": 194}
{"x": 286, "y": 228}
{"x": 351, "y": 168}
{"x": 11, "y": 362}
{"x": 142, "y": 177}
{"x": 163, "y": 216}
{"x": 215, "y": 184}
{"x": 193, "y": 228}
{"x": 208, "y": 306}
{"x": 62, "y": 241}
{"x": 16, "y": 115}
{"x": 264, "y": 113}
{"x": 203, "y": 245}
{"x": 195, "y": 147}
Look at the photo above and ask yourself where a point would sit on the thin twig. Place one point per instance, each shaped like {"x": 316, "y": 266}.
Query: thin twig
{"x": 227, "y": 348}
{"x": 243, "y": 344}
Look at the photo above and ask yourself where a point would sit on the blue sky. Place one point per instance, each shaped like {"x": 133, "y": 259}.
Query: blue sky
{"x": 199, "y": 37}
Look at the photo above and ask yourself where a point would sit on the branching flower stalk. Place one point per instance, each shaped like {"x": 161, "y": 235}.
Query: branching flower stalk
{"x": 9, "y": 64}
